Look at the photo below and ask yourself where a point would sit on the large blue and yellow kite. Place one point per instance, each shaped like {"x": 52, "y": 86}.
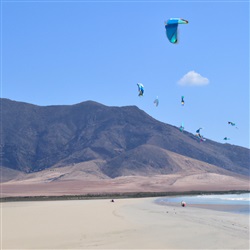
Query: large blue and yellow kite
{"x": 172, "y": 27}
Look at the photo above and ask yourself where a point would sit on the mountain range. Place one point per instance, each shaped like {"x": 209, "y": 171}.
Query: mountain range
{"x": 110, "y": 142}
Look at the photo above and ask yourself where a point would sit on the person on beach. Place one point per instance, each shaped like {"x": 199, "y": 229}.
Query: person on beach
{"x": 183, "y": 203}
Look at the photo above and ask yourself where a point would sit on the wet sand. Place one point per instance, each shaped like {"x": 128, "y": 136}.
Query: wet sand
{"x": 224, "y": 208}
{"x": 123, "y": 224}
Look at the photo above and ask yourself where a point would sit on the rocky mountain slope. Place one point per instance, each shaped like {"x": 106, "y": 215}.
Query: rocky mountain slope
{"x": 121, "y": 141}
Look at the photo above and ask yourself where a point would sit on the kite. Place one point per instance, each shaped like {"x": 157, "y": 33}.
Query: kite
{"x": 156, "y": 102}
{"x": 198, "y": 131}
{"x": 181, "y": 127}
{"x": 233, "y": 124}
{"x": 199, "y": 135}
{"x": 140, "y": 89}
{"x": 171, "y": 28}
{"x": 226, "y": 138}
{"x": 182, "y": 101}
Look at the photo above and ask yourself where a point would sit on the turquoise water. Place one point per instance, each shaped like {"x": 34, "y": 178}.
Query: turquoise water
{"x": 236, "y": 203}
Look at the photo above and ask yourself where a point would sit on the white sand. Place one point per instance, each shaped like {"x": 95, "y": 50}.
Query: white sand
{"x": 124, "y": 224}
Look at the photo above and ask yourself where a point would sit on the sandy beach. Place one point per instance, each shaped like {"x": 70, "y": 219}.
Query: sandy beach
{"x": 123, "y": 224}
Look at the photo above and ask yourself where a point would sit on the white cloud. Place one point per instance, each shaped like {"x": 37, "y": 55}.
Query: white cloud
{"x": 193, "y": 79}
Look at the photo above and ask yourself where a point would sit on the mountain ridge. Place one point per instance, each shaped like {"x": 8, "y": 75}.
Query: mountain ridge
{"x": 35, "y": 138}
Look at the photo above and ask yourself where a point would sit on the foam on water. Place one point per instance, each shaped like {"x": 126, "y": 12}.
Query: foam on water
{"x": 238, "y": 203}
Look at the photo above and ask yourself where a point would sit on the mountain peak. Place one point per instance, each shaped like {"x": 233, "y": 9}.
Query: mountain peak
{"x": 40, "y": 137}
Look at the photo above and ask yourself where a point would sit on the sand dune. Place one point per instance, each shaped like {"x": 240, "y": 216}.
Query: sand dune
{"x": 158, "y": 183}
{"x": 86, "y": 178}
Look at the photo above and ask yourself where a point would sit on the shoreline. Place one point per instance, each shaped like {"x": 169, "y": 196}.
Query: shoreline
{"x": 123, "y": 224}
{"x": 93, "y": 196}
{"x": 232, "y": 208}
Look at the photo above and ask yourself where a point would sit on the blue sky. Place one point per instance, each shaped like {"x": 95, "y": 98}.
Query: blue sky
{"x": 66, "y": 52}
